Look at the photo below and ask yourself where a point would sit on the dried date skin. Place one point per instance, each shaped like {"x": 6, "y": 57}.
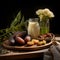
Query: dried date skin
{"x": 22, "y": 34}
{"x": 27, "y": 38}
{"x": 48, "y": 39}
{"x": 20, "y": 40}
{"x": 13, "y": 40}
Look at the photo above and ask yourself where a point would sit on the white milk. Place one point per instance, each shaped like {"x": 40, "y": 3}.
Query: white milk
{"x": 33, "y": 29}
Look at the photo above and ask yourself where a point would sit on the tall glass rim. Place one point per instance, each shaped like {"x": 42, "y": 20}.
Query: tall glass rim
{"x": 33, "y": 19}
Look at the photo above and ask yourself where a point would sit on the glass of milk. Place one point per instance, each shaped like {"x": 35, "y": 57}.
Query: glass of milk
{"x": 33, "y": 27}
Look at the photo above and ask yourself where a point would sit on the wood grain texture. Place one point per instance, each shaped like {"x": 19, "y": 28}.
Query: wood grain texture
{"x": 23, "y": 48}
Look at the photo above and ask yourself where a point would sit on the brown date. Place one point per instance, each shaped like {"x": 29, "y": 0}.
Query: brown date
{"x": 20, "y": 40}
{"x": 20, "y": 34}
{"x": 27, "y": 38}
{"x": 49, "y": 35}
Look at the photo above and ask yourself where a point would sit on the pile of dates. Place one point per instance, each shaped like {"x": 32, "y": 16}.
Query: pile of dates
{"x": 22, "y": 38}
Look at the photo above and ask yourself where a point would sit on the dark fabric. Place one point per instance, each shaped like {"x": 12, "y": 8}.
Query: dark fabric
{"x": 53, "y": 53}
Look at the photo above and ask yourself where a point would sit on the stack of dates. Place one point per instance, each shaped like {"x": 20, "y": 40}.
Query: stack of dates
{"x": 22, "y": 38}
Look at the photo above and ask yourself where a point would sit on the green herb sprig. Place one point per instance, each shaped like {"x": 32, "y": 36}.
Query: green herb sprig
{"x": 18, "y": 24}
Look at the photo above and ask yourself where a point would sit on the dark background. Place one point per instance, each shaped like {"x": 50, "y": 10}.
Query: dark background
{"x": 9, "y": 9}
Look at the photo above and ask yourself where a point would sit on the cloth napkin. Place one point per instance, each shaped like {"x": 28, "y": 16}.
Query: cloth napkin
{"x": 53, "y": 52}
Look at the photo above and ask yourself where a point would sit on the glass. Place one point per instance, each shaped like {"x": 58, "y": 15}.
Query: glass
{"x": 33, "y": 27}
{"x": 44, "y": 26}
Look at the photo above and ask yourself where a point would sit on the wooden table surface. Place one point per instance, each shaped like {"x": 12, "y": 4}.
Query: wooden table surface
{"x": 22, "y": 55}
{"x": 25, "y": 55}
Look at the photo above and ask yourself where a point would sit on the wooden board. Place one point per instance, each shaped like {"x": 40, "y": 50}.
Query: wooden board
{"x": 14, "y": 55}
{"x": 23, "y": 48}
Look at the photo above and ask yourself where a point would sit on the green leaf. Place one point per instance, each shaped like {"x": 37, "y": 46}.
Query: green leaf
{"x": 16, "y": 20}
{"x": 18, "y": 24}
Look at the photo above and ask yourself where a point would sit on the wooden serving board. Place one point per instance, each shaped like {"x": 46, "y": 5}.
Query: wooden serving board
{"x": 23, "y": 48}
{"x": 15, "y": 55}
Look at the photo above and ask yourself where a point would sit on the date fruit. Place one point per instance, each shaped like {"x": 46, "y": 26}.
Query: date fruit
{"x": 20, "y": 40}
{"x": 21, "y": 34}
{"x": 27, "y": 38}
